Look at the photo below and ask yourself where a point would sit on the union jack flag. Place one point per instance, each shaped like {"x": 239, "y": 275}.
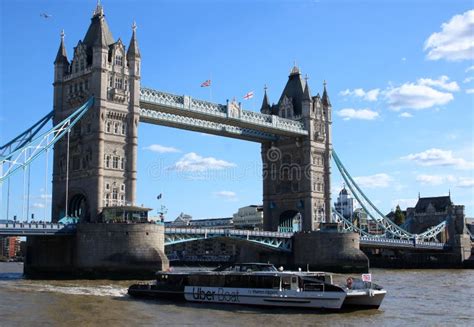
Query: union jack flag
{"x": 206, "y": 83}
{"x": 249, "y": 95}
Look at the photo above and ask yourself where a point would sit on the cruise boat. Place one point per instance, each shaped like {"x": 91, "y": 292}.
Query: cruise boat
{"x": 262, "y": 285}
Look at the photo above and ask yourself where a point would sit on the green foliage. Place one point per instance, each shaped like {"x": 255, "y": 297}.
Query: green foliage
{"x": 399, "y": 216}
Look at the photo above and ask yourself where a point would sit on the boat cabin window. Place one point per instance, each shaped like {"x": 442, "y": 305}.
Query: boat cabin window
{"x": 235, "y": 281}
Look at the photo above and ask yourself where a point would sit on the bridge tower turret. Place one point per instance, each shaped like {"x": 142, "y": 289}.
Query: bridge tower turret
{"x": 96, "y": 166}
{"x": 296, "y": 172}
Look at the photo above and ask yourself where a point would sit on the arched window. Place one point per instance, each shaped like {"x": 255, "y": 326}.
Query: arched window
{"x": 108, "y": 127}
{"x": 116, "y": 128}
{"x": 107, "y": 161}
{"x": 123, "y": 128}
{"x": 122, "y": 163}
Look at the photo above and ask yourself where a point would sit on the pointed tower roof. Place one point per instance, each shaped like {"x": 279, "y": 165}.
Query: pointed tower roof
{"x": 61, "y": 56}
{"x": 133, "y": 47}
{"x": 98, "y": 33}
{"x": 294, "y": 89}
{"x": 306, "y": 93}
{"x": 265, "y": 103}
{"x": 325, "y": 97}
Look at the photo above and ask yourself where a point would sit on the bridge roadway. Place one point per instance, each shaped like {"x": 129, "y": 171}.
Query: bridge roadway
{"x": 276, "y": 240}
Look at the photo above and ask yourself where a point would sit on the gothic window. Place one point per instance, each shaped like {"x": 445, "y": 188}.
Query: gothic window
{"x": 122, "y": 198}
{"x": 86, "y": 84}
{"x": 108, "y": 127}
{"x": 115, "y": 162}
{"x": 118, "y": 83}
{"x": 125, "y": 85}
{"x": 114, "y": 194}
{"x": 107, "y": 161}
{"x": 82, "y": 65}
{"x": 119, "y": 60}
{"x": 75, "y": 87}
{"x": 116, "y": 128}
{"x": 107, "y": 186}
{"x": 70, "y": 89}
{"x": 107, "y": 199}
{"x": 76, "y": 163}
{"x": 122, "y": 163}
{"x": 111, "y": 81}
{"x": 75, "y": 66}
{"x": 80, "y": 87}
{"x": 123, "y": 129}
{"x": 122, "y": 188}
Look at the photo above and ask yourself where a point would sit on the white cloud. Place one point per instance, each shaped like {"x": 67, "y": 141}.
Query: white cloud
{"x": 228, "y": 195}
{"x": 161, "y": 148}
{"x": 415, "y": 96}
{"x": 455, "y": 42}
{"x": 371, "y": 95}
{"x": 435, "y": 179}
{"x": 438, "y": 157}
{"x": 404, "y": 59}
{"x": 465, "y": 182}
{"x": 470, "y": 91}
{"x": 195, "y": 163}
{"x": 364, "y": 114}
{"x": 441, "y": 82}
{"x": 404, "y": 203}
{"x": 38, "y": 205}
{"x": 468, "y": 69}
{"x": 374, "y": 181}
{"x": 468, "y": 79}
{"x": 405, "y": 115}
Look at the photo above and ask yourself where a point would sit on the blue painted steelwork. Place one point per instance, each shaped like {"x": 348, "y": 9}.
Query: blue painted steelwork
{"x": 36, "y": 229}
{"x": 23, "y": 156}
{"x": 274, "y": 240}
{"x": 231, "y": 120}
{"x": 25, "y": 137}
{"x": 390, "y": 229}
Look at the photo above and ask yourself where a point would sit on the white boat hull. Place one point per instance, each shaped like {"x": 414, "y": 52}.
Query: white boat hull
{"x": 265, "y": 297}
{"x": 365, "y": 298}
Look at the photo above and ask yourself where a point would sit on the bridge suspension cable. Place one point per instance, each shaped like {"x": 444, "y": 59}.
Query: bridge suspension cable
{"x": 389, "y": 228}
{"x": 29, "y": 149}
{"x": 25, "y": 137}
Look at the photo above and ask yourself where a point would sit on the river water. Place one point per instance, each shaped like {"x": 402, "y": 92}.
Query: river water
{"x": 415, "y": 298}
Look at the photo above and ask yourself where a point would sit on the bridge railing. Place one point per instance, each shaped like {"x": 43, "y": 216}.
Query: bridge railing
{"x": 32, "y": 225}
{"x": 365, "y": 239}
{"x": 225, "y": 232}
{"x": 218, "y": 110}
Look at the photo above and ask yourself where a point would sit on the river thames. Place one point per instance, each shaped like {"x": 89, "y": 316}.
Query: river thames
{"x": 415, "y": 297}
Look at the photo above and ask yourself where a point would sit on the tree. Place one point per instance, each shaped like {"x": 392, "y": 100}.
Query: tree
{"x": 399, "y": 218}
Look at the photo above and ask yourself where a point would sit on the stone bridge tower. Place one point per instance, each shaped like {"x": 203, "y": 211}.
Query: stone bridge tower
{"x": 98, "y": 168}
{"x": 296, "y": 172}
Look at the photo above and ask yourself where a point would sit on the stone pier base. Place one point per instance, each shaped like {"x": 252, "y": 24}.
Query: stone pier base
{"x": 111, "y": 251}
{"x": 329, "y": 251}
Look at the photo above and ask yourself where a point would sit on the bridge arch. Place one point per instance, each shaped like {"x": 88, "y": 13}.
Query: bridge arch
{"x": 289, "y": 221}
{"x": 79, "y": 207}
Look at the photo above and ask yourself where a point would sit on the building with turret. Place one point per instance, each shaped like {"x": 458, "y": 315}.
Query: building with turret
{"x": 344, "y": 204}
{"x": 95, "y": 164}
{"x": 296, "y": 172}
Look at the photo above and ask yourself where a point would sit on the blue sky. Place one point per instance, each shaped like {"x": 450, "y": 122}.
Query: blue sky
{"x": 400, "y": 77}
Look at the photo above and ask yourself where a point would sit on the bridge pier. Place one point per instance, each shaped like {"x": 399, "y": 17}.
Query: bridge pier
{"x": 329, "y": 251}
{"x": 110, "y": 251}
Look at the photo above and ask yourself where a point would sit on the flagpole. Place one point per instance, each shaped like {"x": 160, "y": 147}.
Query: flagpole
{"x": 210, "y": 87}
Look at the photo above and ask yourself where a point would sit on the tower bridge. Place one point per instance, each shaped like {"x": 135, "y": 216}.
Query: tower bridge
{"x": 98, "y": 105}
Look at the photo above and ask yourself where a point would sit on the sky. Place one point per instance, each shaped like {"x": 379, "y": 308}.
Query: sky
{"x": 400, "y": 76}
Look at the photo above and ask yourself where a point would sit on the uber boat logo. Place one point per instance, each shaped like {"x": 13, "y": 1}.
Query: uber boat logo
{"x": 210, "y": 294}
